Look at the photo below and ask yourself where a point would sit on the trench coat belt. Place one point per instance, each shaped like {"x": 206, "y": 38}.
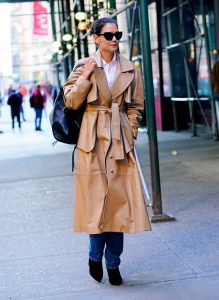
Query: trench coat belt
{"x": 114, "y": 110}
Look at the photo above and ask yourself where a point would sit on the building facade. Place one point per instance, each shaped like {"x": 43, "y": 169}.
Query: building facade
{"x": 184, "y": 38}
{"x": 184, "y": 49}
{"x": 30, "y": 41}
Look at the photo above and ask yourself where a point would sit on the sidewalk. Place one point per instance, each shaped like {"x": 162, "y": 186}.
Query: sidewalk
{"x": 40, "y": 256}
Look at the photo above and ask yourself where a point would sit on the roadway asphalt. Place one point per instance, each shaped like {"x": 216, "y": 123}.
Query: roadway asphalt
{"x": 41, "y": 257}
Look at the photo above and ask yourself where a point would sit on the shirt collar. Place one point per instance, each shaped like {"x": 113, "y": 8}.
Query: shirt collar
{"x": 112, "y": 61}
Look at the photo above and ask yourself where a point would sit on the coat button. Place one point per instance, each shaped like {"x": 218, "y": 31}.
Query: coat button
{"x": 111, "y": 170}
{"x": 111, "y": 156}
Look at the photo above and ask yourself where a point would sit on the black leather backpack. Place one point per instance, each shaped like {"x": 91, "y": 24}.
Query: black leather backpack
{"x": 65, "y": 122}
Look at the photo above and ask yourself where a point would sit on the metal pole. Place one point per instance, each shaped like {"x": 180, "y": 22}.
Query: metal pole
{"x": 54, "y": 38}
{"x": 143, "y": 182}
{"x": 112, "y": 4}
{"x": 213, "y": 108}
{"x": 95, "y": 9}
{"x": 159, "y": 42}
{"x": 133, "y": 30}
{"x": 169, "y": 41}
{"x": 187, "y": 71}
{"x": 63, "y": 31}
{"x": 216, "y": 30}
{"x": 69, "y": 25}
{"x": 85, "y": 41}
{"x": 216, "y": 14}
{"x": 78, "y": 37}
{"x": 150, "y": 109}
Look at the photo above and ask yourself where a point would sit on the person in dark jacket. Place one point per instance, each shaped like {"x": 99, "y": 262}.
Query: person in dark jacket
{"x": 38, "y": 106}
{"x": 14, "y": 100}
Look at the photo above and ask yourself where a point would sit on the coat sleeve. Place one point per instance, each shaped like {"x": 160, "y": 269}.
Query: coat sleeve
{"x": 136, "y": 107}
{"x": 76, "y": 89}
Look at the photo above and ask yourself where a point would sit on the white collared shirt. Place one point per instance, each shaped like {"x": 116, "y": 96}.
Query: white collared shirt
{"x": 110, "y": 70}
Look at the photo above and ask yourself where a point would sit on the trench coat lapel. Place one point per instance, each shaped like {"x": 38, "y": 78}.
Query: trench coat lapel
{"x": 123, "y": 78}
{"x": 102, "y": 83}
{"x": 100, "y": 77}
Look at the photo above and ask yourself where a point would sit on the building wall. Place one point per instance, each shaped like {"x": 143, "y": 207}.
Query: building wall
{"x": 5, "y": 48}
{"x": 185, "y": 59}
{"x": 31, "y": 52}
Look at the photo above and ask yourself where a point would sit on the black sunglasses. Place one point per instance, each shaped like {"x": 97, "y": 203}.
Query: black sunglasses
{"x": 109, "y": 35}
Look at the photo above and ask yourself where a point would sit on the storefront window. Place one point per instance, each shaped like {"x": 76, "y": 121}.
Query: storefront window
{"x": 201, "y": 53}
{"x": 185, "y": 50}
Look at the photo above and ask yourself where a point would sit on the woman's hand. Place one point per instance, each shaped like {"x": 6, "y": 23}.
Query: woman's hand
{"x": 89, "y": 67}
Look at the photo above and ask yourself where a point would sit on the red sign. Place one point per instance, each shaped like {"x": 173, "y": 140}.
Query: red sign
{"x": 40, "y": 19}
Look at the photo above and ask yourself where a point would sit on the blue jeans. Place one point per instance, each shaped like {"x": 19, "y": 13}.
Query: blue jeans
{"x": 38, "y": 117}
{"x": 114, "y": 248}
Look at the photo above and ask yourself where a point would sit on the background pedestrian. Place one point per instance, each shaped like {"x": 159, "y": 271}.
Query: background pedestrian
{"x": 14, "y": 100}
{"x": 38, "y": 107}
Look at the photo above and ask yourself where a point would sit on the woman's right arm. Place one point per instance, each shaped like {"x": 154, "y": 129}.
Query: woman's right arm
{"x": 78, "y": 85}
{"x": 76, "y": 89}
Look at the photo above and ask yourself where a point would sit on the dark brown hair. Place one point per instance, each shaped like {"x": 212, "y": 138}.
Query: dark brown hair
{"x": 99, "y": 24}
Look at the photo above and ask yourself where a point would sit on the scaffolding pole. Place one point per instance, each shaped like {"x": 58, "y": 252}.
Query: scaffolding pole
{"x": 151, "y": 121}
{"x": 213, "y": 108}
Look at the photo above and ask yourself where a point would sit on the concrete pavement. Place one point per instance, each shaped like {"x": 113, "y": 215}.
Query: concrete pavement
{"x": 40, "y": 256}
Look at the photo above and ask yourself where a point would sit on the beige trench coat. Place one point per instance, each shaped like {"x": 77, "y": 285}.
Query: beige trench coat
{"x": 108, "y": 193}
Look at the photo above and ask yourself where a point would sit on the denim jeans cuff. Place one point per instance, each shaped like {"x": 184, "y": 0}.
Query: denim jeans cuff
{"x": 95, "y": 259}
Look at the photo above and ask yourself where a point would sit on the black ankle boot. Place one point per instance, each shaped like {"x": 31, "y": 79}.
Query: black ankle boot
{"x": 96, "y": 269}
{"x": 114, "y": 276}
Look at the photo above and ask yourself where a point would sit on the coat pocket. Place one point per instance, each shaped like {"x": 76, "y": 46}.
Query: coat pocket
{"x": 87, "y": 137}
{"x": 127, "y": 133}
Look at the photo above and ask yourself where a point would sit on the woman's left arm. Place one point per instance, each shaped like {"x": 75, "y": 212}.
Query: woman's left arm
{"x": 136, "y": 107}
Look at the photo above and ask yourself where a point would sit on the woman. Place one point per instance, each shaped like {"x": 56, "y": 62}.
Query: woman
{"x": 108, "y": 195}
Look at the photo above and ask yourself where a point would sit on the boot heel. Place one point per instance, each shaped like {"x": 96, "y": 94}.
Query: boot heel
{"x": 114, "y": 276}
{"x": 96, "y": 269}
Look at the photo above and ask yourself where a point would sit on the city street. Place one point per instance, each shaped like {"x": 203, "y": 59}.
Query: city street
{"x": 42, "y": 258}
